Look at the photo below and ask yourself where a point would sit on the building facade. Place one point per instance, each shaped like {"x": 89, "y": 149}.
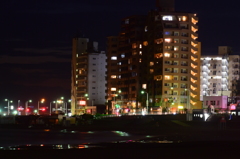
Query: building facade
{"x": 219, "y": 73}
{"x": 88, "y": 75}
{"x": 158, "y": 55}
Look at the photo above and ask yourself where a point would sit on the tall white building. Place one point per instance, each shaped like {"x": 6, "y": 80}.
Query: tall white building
{"x": 96, "y": 78}
{"x": 219, "y": 73}
{"x": 88, "y": 75}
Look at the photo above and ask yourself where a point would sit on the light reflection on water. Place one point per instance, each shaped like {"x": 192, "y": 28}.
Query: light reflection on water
{"x": 50, "y": 147}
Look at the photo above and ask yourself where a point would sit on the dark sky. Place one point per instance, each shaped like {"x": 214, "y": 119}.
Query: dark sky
{"x": 36, "y": 36}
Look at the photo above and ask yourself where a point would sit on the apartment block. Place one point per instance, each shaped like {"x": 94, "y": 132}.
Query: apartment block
{"x": 88, "y": 75}
{"x": 219, "y": 73}
{"x": 157, "y": 57}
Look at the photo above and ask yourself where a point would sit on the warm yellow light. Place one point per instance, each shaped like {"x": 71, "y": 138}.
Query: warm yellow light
{"x": 180, "y": 107}
{"x": 158, "y": 55}
{"x": 193, "y": 51}
{"x": 194, "y": 37}
{"x": 193, "y": 95}
{"x": 193, "y": 66}
{"x": 194, "y": 59}
{"x": 193, "y": 88}
{"x": 193, "y": 73}
{"x": 167, "y": 40}
{"x": 145, "y": 43}
{"x": 194, "y": 29}
{"x": 193, "y": 81}
{"x": 113, "y": 76}
{"x": 166, "y": 55}
{"x": 113, "y": 89}
{"x": 184, "y": 18}
{"x": 166, "y": 77}
{"x": 193, "y": 44}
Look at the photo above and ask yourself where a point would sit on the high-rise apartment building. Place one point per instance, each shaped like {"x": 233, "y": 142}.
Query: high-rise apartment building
{"x": 219, "y": 73}
{"x": 88, "y": 75}
{"x": 158, "y": 54}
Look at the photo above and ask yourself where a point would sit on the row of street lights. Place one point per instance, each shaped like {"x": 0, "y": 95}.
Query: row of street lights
{"x": 64, "y": 107}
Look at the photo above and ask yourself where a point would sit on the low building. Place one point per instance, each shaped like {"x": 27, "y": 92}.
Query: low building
{"x": 218, "y": 102}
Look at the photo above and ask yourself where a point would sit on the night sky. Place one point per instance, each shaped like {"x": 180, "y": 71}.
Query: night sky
{"x": 36, "y": 37}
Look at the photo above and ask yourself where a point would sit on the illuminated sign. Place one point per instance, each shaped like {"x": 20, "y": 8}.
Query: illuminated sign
{"x": 82, "y": 102}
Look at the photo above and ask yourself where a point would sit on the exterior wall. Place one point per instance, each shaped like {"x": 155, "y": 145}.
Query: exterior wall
{"x": 219, "y": 74}
{"x": 96, "y": 78}
{"x": 180, "y": 61}
{"x": 219, "y": 102}
{"x": 79, "y": 72}
{"x": 84, "y": 70}
{"x": 112, "y": 67}
{"x": 159, "y": 54}
{"x": 234, "y": 71}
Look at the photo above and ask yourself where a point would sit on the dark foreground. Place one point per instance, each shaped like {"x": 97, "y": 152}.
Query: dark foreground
{"x": 189, "y": 140}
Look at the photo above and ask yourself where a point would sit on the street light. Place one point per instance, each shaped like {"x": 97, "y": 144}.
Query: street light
{"x": 121, "y": 96}
{"x": 51, "y": 106}
{"x": 189, "y": 115}
{"x": 26, "y": 106}
{"x": 146, "y": 100}
{"x": 42, "y": 101}
{"x": 8, "y": 105}
{"x": 66, "y": 109}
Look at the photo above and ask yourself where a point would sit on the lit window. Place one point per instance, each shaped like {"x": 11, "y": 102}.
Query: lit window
{"x": 140, "y": 52}
{"x": 167, "y": 33}
{"x": 151, "y": 70}
{"x": 144, "y": 86}
{"x": 134, "y": 52}
{"x": 122, "y": 55}
{"x": 167, "y": 40}
{"x": 113, "y": 89}
{"x": 140, "y": 46}
{"x": 166, "y": 55}
{"x": 134, "y": 45}
{"x": 114, "y": 58}
{"x": 176, "y": 40}
{"x": 140, "y": 60}
{"x": 176, "y": 48}
{"x": 159, "y": 55}
{"x": 146, "y": 29}
{"x": 167, "y": 18}
{"x": 145, "y": 43}
{"x": 151, "y": 63}
{"x": 166, "y": 77}
{"x": 159, "y": 41}
{"x": 113, "y": 76}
